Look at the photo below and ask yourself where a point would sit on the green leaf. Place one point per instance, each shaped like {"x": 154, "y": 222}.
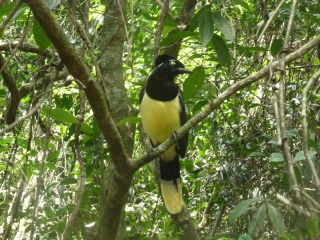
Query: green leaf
{"x": 193, "y": 83}
{"x": 86, "y": 128}
{"x": 276, "y": 46}
{"x": 205, "y": 27}
{"x": 53, "y": 155}
{"x": 68, "y": 181}
{"x": 257, "y": 220}
{"x": 222, "y": 50}
{"x": 241, "y": 209}
{"x": 129, "y": 120}
{"x": 292, "y": 133}
{"x": 224, "y": 26}
{"x": 300, "y": 155}
{"x": 276, "y": 219}
{"x": 194, "y": 22}
{"x": 276, "y": 157}
{"x": 171, "y": 38}
{"x": 61, "y": 115}
{"x": 52, "y": 3}
{"x": 40, "y": 36}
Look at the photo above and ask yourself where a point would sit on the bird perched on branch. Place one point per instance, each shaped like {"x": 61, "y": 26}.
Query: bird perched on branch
{"x": 163, "y": 112}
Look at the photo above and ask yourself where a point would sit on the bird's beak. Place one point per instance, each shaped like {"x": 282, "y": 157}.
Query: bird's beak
{"x": 183, "y": 70}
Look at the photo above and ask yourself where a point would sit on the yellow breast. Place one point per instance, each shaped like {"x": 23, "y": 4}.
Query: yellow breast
{"x": 160, "y": 119}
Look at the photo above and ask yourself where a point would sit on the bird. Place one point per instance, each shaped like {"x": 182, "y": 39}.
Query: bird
{"x": 162, "y": 111}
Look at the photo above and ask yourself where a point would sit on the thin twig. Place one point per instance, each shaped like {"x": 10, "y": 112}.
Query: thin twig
{"x": 73, "y": 217}
{"x": 10, "y": 15}
{"x": 27, "y": 115}
{"x": 23, "y": 36}
{"x": 282, "y": 103}
{"x": 297, "y": 207}
{"x": 162, "y": 18}
{"x": 275, "y": 14}
{"x": 305, "y": 127}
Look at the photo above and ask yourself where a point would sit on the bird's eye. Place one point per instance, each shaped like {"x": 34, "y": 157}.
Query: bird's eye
{"x": 173, "y": 63}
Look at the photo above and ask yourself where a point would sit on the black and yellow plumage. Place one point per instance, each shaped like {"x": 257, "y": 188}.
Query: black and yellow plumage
{"x": 162, "y": 112}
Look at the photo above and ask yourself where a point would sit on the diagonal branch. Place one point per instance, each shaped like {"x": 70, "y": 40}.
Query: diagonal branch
{"x": 138, "y": 162}
{"x": 80, "y": 71}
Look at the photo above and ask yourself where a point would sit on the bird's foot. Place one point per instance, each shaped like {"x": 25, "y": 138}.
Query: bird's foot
{"x": 174, "y": 135}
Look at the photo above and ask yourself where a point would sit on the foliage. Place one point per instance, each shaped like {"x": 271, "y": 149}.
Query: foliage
{"x": 234, "y": 166}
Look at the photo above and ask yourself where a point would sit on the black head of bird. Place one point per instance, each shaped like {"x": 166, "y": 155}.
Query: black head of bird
{"x": 170, "y": 65}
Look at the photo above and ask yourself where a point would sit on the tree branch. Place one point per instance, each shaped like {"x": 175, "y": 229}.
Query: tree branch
{"x": 79, "y": 70}
{"x": 196, "y": 119}
{"x": 305, "y": 139}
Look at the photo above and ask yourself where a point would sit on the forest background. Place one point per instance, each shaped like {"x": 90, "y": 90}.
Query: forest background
{"x": 74, "y": 161}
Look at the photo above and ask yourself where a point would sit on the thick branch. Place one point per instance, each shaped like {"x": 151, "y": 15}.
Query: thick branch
{"x": 25, "y": 47}
{"x": 138, "y": 162}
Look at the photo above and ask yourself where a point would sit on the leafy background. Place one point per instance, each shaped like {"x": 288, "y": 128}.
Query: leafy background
{"x": 234, "y": 175}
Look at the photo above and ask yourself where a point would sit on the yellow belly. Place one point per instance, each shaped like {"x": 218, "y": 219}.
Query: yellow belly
{"x": 159, "y": 120}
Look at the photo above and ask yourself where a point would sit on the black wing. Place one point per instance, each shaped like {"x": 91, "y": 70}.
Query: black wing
{"x": 141, "y": 93}
{"x": 183, "y": 142}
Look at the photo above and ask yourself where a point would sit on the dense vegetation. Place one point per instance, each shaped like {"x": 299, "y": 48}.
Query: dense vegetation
{"x": 74, "y": 161}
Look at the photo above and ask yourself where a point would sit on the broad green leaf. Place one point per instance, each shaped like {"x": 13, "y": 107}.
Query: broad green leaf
{"x": 300, "y": 155}
{"x": 61, "y": 115}
{"x": 52, "y": 3}
{"x": 86, "y": 128}
{"x": 68, "y": 181}
{"x": 224, "y": 26}
{"x": 276, "y": 219}
{"x": 129, "y": 120}
{"x": 6, "y": 8}
{"x": 193, "y": 83}
{"x": 257, "y": 220}
{"x": 40, "y": 36}
{"x": 171, "y": 38}
{"x": 53, "y": 155}
{"x": 292, "y": 133}
{"x": 194, "y": 22}
{"x": 222, "y": 50}
{"x": 276, "y": 46}
{"x": 205, "y": 27}
{"x": 20, "y": 11}
{"x": 276, "y": 157}
{"x": 241, "y": 209}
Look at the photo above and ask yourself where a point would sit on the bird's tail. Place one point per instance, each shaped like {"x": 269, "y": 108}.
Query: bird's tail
{"x": 170, "y": 185}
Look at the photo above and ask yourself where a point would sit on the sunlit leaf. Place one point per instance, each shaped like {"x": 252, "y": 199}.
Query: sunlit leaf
{"x": 205, "y": 27}
{"x": 257, "y": 220}
{"x": 61, "y": 115}
{"x": 53, "y": 155}
{"x": 276, "y": 219}
{"x": 276, "y": 157}
{"x": 300, "y": 155}
{"x": 224, "y": 26}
